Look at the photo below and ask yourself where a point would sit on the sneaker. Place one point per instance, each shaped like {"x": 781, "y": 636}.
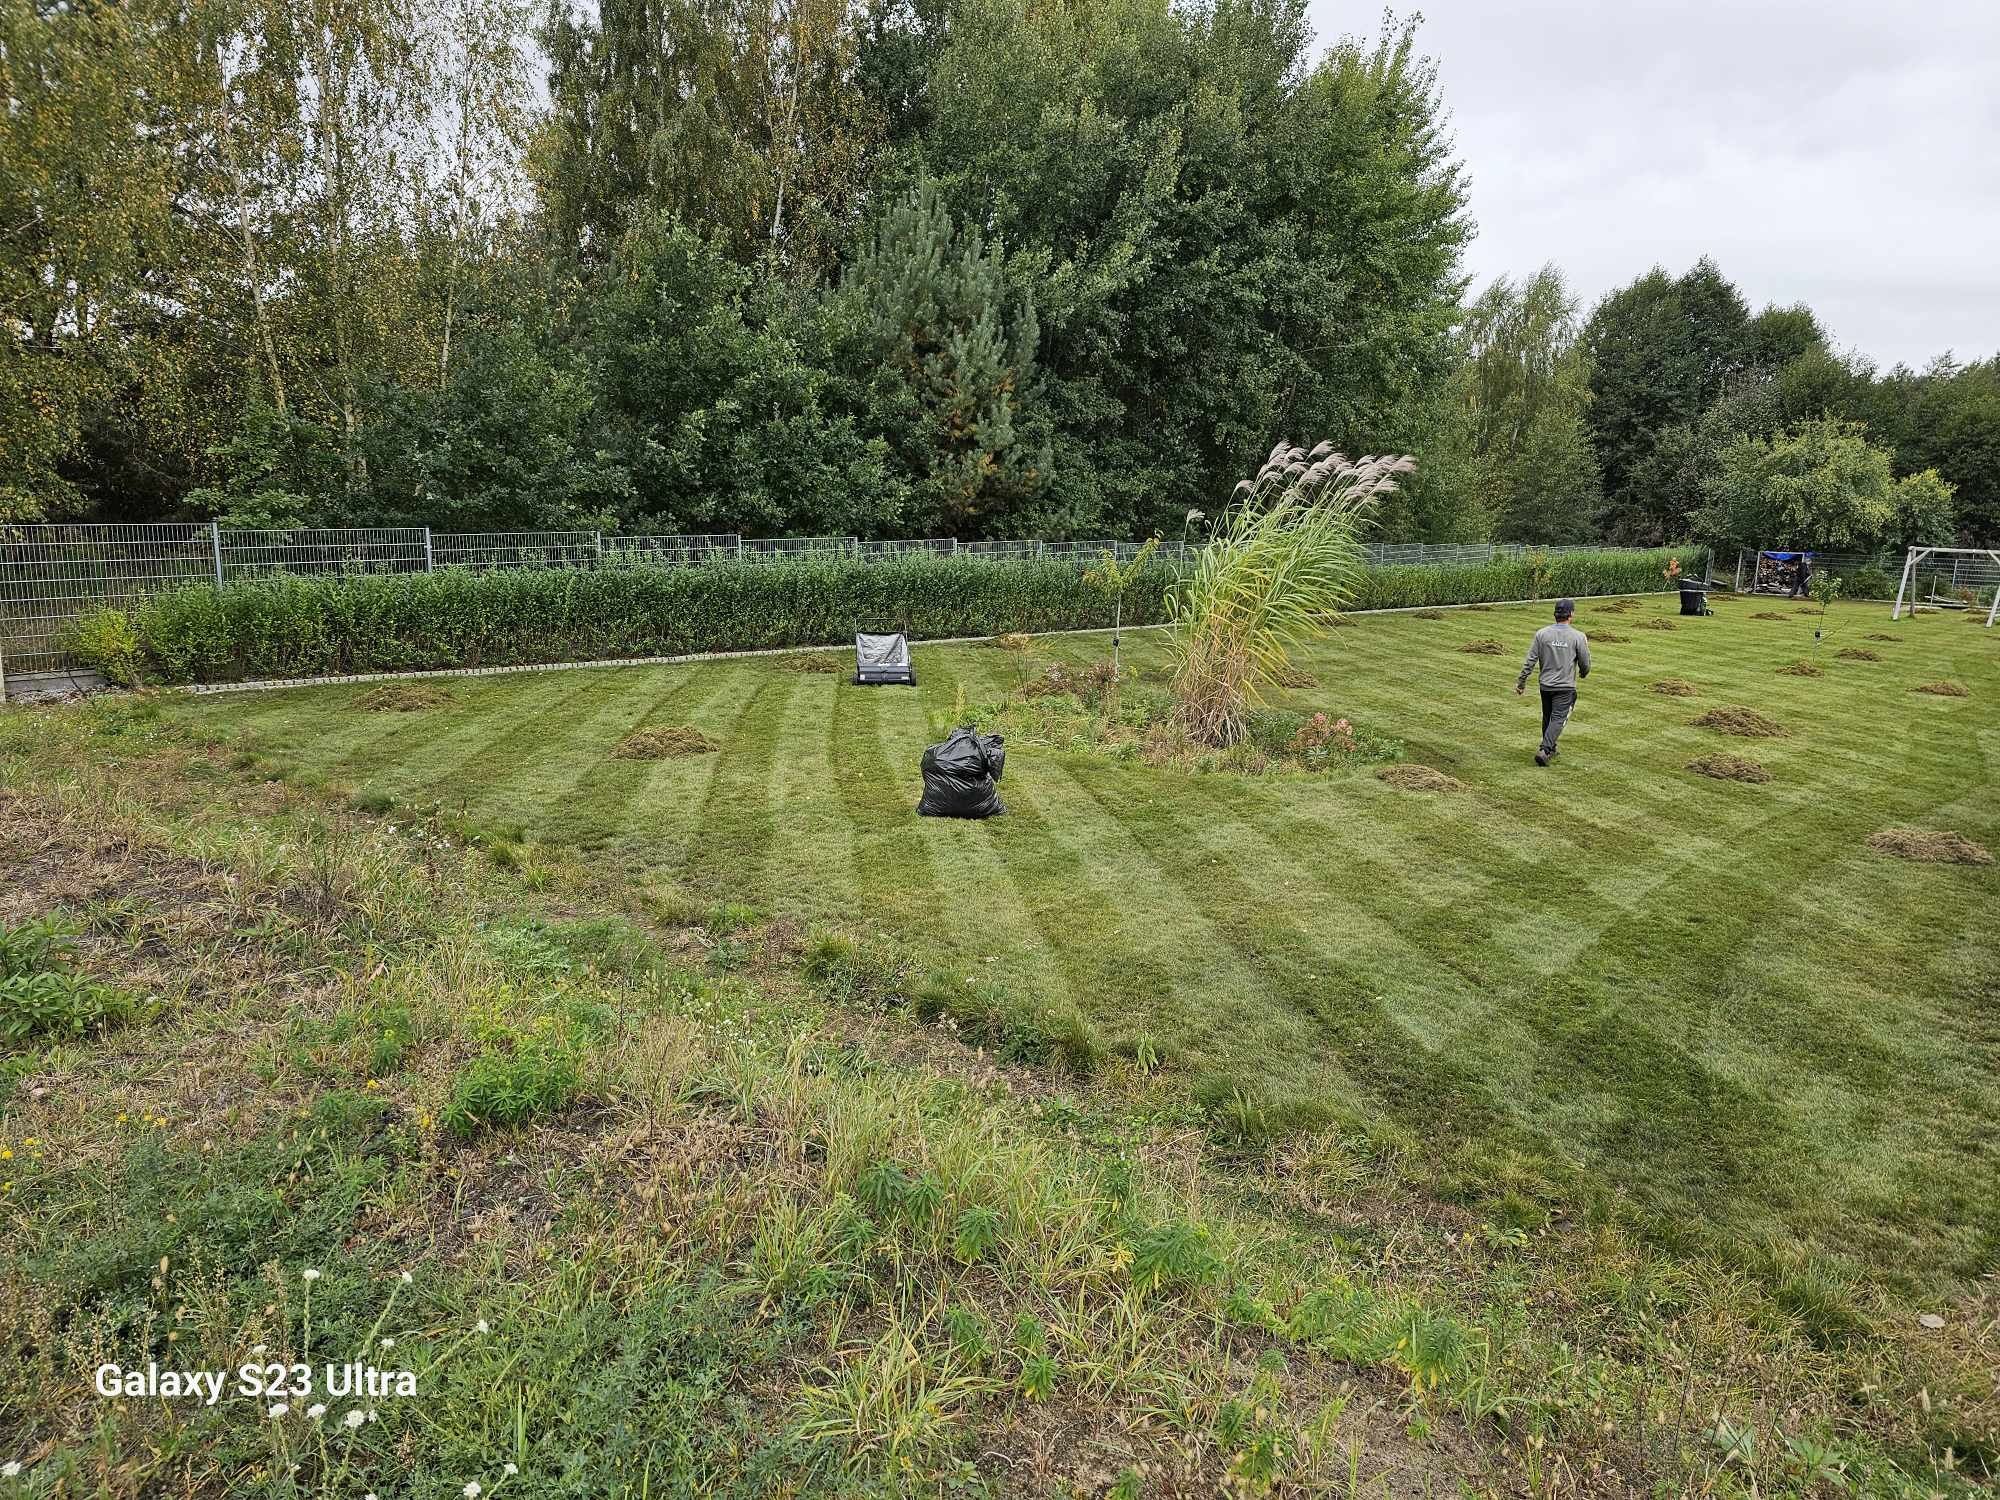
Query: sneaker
{"x": 1541, "y": 757}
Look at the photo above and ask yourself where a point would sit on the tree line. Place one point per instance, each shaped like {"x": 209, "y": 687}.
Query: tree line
{"x": 893, "y": 268}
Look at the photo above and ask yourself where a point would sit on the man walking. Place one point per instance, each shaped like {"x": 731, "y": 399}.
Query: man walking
{"x": 1562, "y": 654}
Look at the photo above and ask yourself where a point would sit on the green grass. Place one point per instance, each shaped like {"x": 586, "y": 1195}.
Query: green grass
{"x": 1708, "y": 999}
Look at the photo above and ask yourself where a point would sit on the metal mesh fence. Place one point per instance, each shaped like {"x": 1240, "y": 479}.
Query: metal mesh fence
{"x": 52, "y": 573}
{"x": 325, "y": 549}
{"x": 486, "y": 550}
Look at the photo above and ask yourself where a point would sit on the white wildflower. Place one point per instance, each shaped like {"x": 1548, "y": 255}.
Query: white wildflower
{"x": 480, "y": 1327}
{"x": 280, "y": 1409}
{"x": 472, "y": 1491}
{"x": 310, "y": 1274}
{"x": 388, "y": 1343}
{"x": 10, "y": 1468}
{"x": 512, "y": 1469}
{"x": 355, "y": 1418}
{"x": 316, "y": 1410}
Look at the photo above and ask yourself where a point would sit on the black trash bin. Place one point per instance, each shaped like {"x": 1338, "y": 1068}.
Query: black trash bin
{"x": 1694, "y": 598}
{"x": 960, "y": 776}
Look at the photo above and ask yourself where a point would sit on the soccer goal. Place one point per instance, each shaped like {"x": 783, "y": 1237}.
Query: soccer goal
{"x": 1950, "y": 578}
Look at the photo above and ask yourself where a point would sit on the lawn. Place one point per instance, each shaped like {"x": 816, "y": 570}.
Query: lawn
{"x": 1609, "y": 987}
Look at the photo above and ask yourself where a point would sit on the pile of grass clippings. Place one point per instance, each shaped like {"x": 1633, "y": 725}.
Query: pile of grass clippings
{"x": 1931, "y": 846}
{"x": 1294, "y": 677}
{"x": 1658, "y": 625}
{"x": 1800, "y": 669}
{"x": 1746, "y": 723}
{"x": 403, "y": 698}
{"x": 664, "y": 742}
{"x": 1728, "y": 768}
{"x": 1943, "y": 689}
{"x": 1419, "y": 779}
{"x": 1476, "y": 609}
{"x": 1426, "y": 614}
{"x": 1881, "y": 635}
{"x": 1858, "y": 653}
{"x": 1769, "y": 614}
{"x": 1608, "y": 638}
{"x": 810, "y": 661}
{"x": 1482, "y": 648}
{"x": 1674, "y": 687}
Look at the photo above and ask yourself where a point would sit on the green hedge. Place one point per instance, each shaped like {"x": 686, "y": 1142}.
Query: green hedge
{"x": 313, "y": 627}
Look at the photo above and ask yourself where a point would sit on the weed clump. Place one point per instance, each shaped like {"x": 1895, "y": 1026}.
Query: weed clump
{"x": 1419, "y": 779}
{"x": 1658, "y": 625}
{"x": 1674, "y": 687}
{"x": 809, "y": 661}
{"x": 523, "y": 1075}
{"x": 403, "y": 698}
{"x": 1859, "y": 653}
{"x": 664, "y": 743}
{"x": 1746, "y": 723}
{"x": 1728, "y": 768}
{"x": 1930, "y": 846}
{"x": 1800, "y": 669}
{"x": 1943, "y": 689}
{"x": 1087, "y": 686}
{"x": 1482, "y": 648}
{"x": 1769, "y": 614}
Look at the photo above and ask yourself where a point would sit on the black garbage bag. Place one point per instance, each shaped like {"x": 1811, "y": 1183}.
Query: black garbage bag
{"x": 959, "y": 776}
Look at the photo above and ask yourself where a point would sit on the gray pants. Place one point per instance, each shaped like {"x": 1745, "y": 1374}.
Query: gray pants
{"x": 1556, "y": 704}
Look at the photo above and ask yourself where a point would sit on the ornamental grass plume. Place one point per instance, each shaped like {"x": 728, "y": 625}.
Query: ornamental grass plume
{"x": 1285, "y": 558}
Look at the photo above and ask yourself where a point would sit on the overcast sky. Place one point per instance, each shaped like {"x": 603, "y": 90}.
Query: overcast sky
{"x": 1839, "y": 153}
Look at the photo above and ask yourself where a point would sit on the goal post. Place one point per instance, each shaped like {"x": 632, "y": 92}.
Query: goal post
{"x": 1966, "y": 571}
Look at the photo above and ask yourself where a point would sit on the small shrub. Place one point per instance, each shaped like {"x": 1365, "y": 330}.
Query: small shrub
{"x": 523, "y": 1074}
{"x": 1728, "y": 768}
{"x": 104, "y": 641}
{"x": 1943, "y": 689}
{"x": 1745, "y": 723}
{"x": 665, "y": 742}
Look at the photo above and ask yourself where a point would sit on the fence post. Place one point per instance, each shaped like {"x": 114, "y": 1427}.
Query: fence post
{"x": 600, "y": 548}
{"x": 215, "y": 548}
{"x": 430, "y": 558}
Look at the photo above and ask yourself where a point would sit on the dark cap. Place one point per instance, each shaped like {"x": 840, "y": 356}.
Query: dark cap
{"x": 1565, "y": 608}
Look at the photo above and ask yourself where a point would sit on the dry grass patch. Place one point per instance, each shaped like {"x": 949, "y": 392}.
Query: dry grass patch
{"x": 664, "y": 742}
{"x": 809, "y": 661}
{"x": 1769, "y": 614}
{"x": 1931, "y": 846}
{"x": 1674, "y": 687}
{"x": 1858, "y": 653}
{"x": 1419, "y": 779}
{"x": 403, "y": 698}
{"x": 1744, "y": 722}
{"x": 1728, "y": 768}
{"x": 1800, "y": 669}
{"x": 1943, "y": 689}
{"x": 1482, "y": 648}
{"x": 1658, "y": 625}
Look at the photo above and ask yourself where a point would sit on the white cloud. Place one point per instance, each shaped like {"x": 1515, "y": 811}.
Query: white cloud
{"x": 1846, "y": 155}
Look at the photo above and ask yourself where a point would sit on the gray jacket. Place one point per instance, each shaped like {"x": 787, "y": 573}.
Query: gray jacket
{"x": 1563, "y": 654}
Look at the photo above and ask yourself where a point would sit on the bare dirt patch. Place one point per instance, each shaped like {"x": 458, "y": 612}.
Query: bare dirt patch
{"x": 1482, "y": 648}
{"x": 664, "y": 742}
{"x": 1674, "y": 687}
{"x": 1800, "y": 669}
{"x": 1858, "y": 653}
{"x": 1943, "y": 689}
{"x": 1728, "y": 768}
{"x": 403, "y": 698}
{"x": 1744, "y": 722}
{"x": 1930, "y": 846}
{"x": 1419, "y": 779}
